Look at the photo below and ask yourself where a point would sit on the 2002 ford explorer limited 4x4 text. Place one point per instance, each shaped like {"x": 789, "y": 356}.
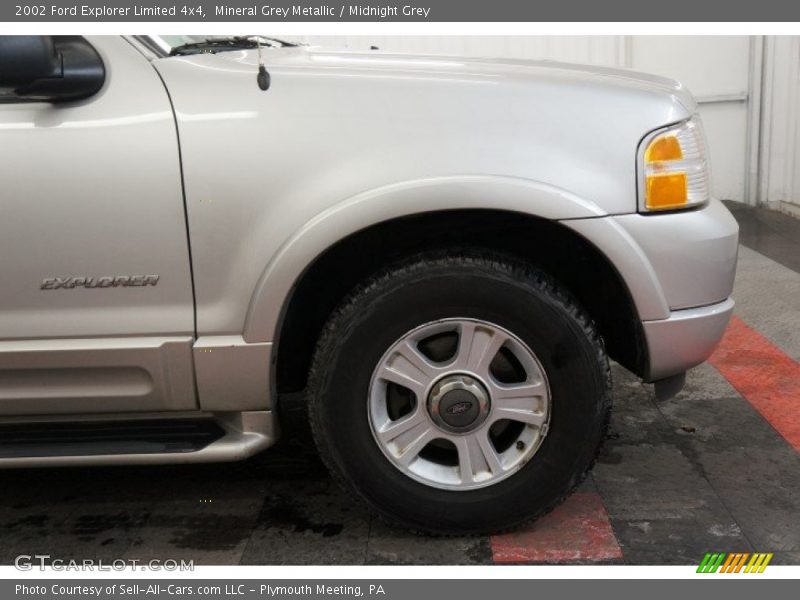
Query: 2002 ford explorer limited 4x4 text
{"x": 439, "y": 254}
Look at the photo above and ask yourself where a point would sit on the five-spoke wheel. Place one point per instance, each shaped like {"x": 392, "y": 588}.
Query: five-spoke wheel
{"x": 459, "y": 403}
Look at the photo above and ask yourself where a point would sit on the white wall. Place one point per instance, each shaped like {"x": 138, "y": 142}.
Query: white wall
{"x": 717, "y": 71}
{"x": 752, "y": 152}
{"x": 779, "y": 185}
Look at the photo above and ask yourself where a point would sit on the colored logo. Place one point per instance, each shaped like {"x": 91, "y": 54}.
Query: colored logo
{"x": 735, "y": 562}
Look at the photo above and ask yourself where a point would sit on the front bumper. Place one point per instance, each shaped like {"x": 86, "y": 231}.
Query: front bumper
{"x": 692, "y": 253}
{"x": 679, "y": 269}
{"x": 685, "y": 339}
{"x": 693, "y": 257}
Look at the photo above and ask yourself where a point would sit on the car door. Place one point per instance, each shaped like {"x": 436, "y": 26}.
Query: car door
{"x": 96, "y": 303}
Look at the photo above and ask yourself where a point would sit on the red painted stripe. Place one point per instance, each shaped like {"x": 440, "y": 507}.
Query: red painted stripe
{"x": 578, "y": 530}
{"x": 764, "y": 375}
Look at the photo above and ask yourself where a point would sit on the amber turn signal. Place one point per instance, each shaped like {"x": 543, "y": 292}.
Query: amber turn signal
{"x": 675, "y": 172}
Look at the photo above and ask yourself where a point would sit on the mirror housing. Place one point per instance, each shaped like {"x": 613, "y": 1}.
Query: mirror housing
{"x": 48, "y": 68}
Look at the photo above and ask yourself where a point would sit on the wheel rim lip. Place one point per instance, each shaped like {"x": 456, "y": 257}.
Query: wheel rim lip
{"x": 518, "y": 464}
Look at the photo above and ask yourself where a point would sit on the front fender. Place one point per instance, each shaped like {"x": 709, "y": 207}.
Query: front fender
{"x": 630, "y": 261}
{"x": 349, "y": 216}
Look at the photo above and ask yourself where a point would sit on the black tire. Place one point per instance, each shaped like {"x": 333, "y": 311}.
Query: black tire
{"x": 427, "y": 288}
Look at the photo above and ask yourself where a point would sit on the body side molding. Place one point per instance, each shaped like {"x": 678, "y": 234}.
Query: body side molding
{"x": 231, "y": 374}
{"x": 78, "y": 376}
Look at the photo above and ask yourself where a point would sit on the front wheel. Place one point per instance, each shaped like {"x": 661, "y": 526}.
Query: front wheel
{"x": 459, "y": 394}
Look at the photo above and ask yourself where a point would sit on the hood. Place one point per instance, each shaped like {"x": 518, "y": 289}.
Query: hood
{"x": 346, "y": 122}
{"x": 375, "y": 63}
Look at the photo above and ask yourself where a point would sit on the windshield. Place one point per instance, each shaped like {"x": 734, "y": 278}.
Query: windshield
{"x": 168, "y": 43}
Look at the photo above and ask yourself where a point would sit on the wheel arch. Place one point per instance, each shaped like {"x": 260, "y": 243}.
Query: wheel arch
{"x": 385, "y": 204}
{"x": 338, "y": 266}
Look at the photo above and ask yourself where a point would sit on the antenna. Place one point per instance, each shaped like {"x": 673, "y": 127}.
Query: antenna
{"x": 263, "y": 77}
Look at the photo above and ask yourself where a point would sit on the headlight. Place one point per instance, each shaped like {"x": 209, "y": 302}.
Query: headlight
{"x": 673, "y": 168}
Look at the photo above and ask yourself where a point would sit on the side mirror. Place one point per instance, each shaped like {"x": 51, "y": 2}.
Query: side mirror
{"x": 48, "y": 68}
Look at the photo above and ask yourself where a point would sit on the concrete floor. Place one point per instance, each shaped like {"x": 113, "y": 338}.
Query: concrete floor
{"x": 705, "y": 471}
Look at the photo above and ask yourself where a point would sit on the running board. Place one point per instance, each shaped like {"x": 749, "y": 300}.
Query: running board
{"x": 221, "y": 437}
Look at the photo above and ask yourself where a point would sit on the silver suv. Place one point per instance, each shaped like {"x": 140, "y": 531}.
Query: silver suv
{"x": 440, "y": 254}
